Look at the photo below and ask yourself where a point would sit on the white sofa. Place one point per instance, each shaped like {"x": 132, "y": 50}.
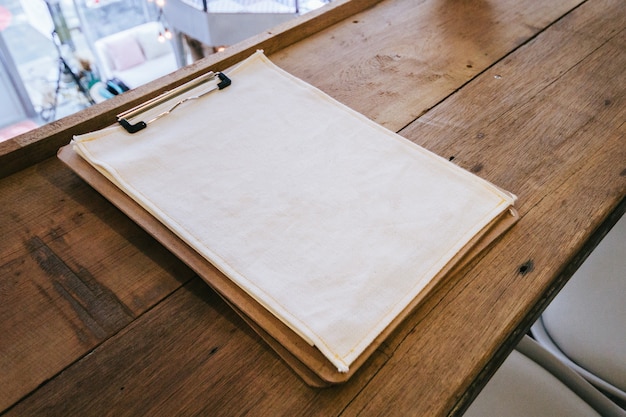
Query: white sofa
{"x": 135, "y": 55}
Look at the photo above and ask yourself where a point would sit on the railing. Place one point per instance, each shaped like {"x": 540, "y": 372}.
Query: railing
{"x": 244, "y": 6}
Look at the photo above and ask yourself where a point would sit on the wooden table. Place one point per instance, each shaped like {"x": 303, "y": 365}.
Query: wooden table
{"x": 97, "y": 318}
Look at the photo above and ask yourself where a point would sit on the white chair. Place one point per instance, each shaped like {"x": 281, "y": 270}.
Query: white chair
{"x": 532, "y": 382}
{"x": 135, "y": 55}
{"x": 585, "y": 325}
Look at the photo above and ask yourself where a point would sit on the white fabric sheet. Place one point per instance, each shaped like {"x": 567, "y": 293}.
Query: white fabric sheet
{"x": 329, "y": 220}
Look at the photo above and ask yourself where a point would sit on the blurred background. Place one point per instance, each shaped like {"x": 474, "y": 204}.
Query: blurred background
{"x": 60, "y": 56}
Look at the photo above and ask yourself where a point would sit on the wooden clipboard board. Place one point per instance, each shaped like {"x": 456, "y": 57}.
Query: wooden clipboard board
{"x": 304, "y": 359}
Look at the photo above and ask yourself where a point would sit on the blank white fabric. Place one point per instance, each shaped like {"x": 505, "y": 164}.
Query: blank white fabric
{"x": 330, "y": 221}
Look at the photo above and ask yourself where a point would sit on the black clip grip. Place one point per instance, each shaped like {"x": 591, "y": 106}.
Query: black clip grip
{"x": 123, "y": 118}
{"x": 130, "y": 128}
{"x": 225, "y": 81}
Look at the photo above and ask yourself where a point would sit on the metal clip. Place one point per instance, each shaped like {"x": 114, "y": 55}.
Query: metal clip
{"x": 124, "y": 118}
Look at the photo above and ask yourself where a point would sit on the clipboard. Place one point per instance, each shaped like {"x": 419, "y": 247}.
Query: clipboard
{"x": 306, "y": 360}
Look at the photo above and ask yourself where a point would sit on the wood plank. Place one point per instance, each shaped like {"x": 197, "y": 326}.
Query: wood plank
{"x": 63, "y": 290}
{"x": 364, "y": 64}
{"x": 300, "y": 399}
{"x": 394, "y": 63}
{"x": 560, "y": 147}
{"x": 511, "y": 88}
{"x": 165, "y": 363}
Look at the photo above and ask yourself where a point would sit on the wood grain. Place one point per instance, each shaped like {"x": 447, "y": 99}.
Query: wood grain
{"x": 165, "y": 363}
{"x": 401, "y": 59}
{"x": 74, "y": 271}
{"x": 429, "y": 48}
{"x": 113, "y": 259}
{"x": 102, "y": 321}
{"x": 565, "y": 196}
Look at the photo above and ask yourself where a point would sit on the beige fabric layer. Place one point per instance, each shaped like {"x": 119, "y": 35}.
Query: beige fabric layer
{"x": 329, "y": 220}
